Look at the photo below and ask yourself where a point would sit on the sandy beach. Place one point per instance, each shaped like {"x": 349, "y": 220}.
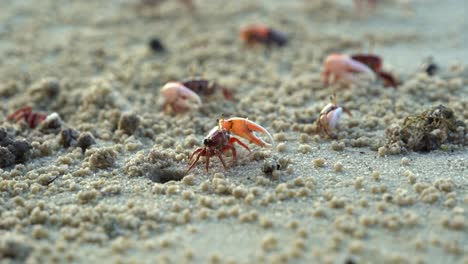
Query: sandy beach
{"x": 103, "y": 180}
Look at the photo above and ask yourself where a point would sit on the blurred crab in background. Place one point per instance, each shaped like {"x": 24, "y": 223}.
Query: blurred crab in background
{"x": 204, "y": 87}
{"x": 178, "y": 97}
{"x": 343, "y": 67}
{"x": 330, "y": 116}
{"x": 182, "y": 96}
{"x": 219, "y": 140}
{"x": 260, "y": 34}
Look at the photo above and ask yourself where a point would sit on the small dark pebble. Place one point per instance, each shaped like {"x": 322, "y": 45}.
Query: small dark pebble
{"x": 156, "y": 45}
{"x": 165, "y": 175}
{"x": 68, "y": 137}
{"x": 20, "y": 149}
{"x": 85, "y": 140}
{"x": 6, "y": 158}
{"x": 431, "y": 69}
{"x": 3, "y": 134}
{"x": 129, "y": 123}
{"x": 12, "y": 151}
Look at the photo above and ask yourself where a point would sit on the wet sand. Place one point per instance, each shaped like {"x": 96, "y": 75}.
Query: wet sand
{"x": 353, "y": 199}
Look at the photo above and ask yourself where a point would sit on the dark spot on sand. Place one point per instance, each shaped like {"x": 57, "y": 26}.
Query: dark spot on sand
{"x": 52, "y": 180}
{"x": 165, "y": 175}
{"x": 15, "y": 248}
{"x": 431, "y": 69}
{"x": 156, "y": 45}
{"x": 271, "y": 165}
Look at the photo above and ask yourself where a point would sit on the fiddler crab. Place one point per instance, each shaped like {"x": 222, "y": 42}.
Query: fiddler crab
{"x": 219, "y": 140}
{"x": 330, "y": 116}
{"x": 178, "y": 97}
{"x": 342, "y": 67}
{"x": 182, "y": 96}
{"x": 260, "y": 34}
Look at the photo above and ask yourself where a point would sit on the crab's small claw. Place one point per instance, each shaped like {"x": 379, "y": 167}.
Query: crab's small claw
{"x": 179, "y": 97}
{"x": 244, "y": 128}
{"x": 357, "y": 66}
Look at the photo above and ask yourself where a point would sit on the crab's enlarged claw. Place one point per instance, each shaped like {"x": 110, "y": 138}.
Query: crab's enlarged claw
{"x": 370, "y": 60}
{"x": 356, "y": 66}
{"x": 179, "y": 97}
{"x": 244, "y": 128}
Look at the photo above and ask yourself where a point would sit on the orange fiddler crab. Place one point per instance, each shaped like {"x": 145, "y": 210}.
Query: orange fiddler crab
{"x": 260, "y": 34}
{"x": 330, "y": 116}
{"x": 219, "y": 140}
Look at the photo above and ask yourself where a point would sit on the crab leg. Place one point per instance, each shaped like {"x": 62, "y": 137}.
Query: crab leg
{"x": 207, "y": 158}
{"x": 233, "y": 150}
{"x": 202, "y": 153}
{"x": 244, "y": 128}
{"x": 20, "y": 113}
{"x": 235, "y": 140}
{"x": 194, "y": 153}
{"x": 220, "y": 158}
